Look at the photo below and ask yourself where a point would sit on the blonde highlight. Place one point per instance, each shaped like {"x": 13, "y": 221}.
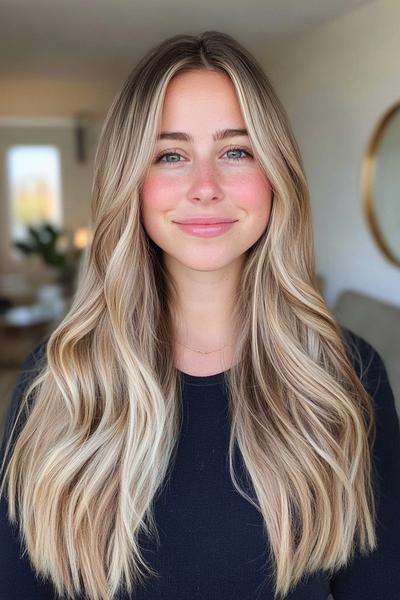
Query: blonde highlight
{"x": 104, "y": 416}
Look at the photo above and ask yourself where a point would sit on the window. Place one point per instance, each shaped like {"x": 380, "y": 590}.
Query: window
{"x": 34, "y": 188}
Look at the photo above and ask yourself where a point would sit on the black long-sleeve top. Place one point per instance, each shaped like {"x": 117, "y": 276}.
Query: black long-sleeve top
{"x": 212, "y": 541}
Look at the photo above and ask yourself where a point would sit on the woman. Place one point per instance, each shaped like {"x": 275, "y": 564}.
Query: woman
{"x": 202, "y": 426}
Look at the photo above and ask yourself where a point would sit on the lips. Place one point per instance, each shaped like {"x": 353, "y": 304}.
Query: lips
{"x": 205, "y": 220}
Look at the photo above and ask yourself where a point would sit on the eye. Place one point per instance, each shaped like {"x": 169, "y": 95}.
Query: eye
{"x": 238, "y": 150}
{"x": 160, "y": 156}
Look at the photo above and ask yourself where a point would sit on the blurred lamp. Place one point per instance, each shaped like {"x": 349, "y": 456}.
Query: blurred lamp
{"x": 81, "y": 237}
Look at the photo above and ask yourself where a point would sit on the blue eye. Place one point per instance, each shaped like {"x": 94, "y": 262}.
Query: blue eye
{"x": 160, "y": 156}
{"x": 238, "y": 150}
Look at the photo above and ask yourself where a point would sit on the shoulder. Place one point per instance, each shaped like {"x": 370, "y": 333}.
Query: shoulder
{"x": 32, "y": 362}
{"x": 30, "y": 367}
{"x": 367, "y": 361}
{"x": 376, "y": 575}
{"x": 372, "y": 373}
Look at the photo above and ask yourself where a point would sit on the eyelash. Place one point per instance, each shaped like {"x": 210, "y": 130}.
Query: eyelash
{"x": 162, "y": 154}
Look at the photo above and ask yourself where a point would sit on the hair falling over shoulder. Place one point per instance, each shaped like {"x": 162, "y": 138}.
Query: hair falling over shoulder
{"x": 105, "y": 421}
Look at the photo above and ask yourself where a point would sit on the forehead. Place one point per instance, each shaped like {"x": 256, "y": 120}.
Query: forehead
{"x": 196, "y": 99}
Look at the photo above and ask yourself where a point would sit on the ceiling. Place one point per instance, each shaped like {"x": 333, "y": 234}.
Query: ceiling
{"x": 102, "y": 39}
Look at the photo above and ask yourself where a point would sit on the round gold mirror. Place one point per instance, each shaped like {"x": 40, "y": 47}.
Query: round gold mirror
{"x": 380, "y": 183}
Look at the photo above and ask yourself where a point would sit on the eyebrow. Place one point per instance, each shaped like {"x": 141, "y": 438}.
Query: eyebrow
{"x": 220, "y": 134}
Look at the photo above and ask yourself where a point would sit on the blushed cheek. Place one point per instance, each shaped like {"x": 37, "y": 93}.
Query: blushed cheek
{"x": 253, "y": 193}
{"x": 158, "y": 193}
{"x": 158, "y": 199}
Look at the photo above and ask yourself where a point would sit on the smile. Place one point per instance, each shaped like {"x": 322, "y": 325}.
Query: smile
{"x": 209, "y": 230}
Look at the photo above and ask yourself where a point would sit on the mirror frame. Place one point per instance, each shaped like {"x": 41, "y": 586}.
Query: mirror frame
{"x": 368, "y": 168}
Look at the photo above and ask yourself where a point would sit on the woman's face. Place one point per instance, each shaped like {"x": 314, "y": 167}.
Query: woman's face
{"x": 202, "y": 176}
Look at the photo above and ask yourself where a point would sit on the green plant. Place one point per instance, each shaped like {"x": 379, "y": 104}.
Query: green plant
{"x": 54, "y": 247}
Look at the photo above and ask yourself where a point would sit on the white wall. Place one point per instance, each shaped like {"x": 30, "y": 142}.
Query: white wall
{"x": 335, "y": 83}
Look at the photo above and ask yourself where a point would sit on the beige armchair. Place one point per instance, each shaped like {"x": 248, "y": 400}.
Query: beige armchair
{"x": 378, "y": 323}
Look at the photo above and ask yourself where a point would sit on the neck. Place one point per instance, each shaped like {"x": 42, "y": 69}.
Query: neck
{"x": 204, "y": 305}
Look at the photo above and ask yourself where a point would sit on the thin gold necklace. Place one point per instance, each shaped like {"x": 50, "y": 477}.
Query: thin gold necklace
{"x": 202, "y": 351}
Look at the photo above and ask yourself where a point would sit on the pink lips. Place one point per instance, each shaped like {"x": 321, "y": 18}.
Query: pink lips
{"x": 205, "y": 220}
{"x": 206, "y": 230}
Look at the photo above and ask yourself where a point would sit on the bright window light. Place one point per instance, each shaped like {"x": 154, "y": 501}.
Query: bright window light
{"x": 34, "y": 184}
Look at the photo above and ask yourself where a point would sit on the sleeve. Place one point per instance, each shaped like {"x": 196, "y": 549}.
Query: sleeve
{"x": 376, "y": 576}
{"x": 27, "y": 371}
{"x": 17, "y": 578}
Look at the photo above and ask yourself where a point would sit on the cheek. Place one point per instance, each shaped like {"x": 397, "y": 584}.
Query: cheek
{"x": 253, "y": 193}
{"x": 158, "y": 193}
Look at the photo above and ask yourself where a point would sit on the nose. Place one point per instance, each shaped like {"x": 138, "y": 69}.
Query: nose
{"x": 205, "y": 184}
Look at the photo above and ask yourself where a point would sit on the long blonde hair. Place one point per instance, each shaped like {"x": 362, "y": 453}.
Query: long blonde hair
{"x": 102, "y": 431}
